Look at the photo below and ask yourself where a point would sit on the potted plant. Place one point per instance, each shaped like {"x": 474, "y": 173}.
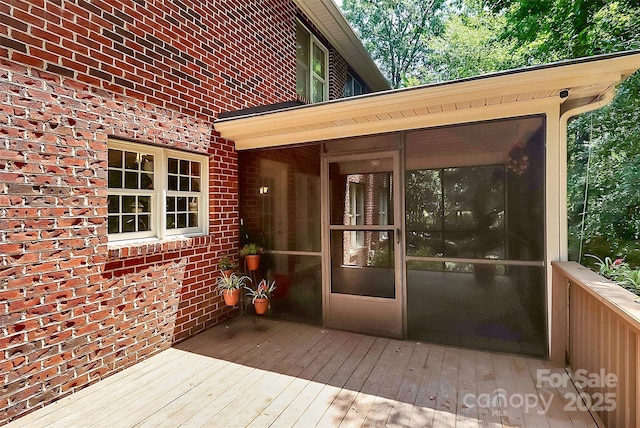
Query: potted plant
{"x": 229, "y": 286}
{"x": 251, "y": 252}
{"x": 226, "y": 265}
{"x": 260, "y": 296}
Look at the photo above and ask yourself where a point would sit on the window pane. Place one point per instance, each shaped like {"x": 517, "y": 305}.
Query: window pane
{"x": 171, "y": 221}
{"x": 171, "y": 204}
{"x": 128, "y": 223}
{"x": 131, "y": 180}
{"x": 144, "y": 202}
{"x": 366, "y": 271}
{"x": 195, "y": 184}
{"x": 182, "y": 221}
{"x": 477, "y": 190}
{"x": 115, "y": 179}
{"x": 184, "y": 184}
{"x": 172, "y": 166}
{"x": 173, "y": 182}
{"x": 131, "y": 160}
{"x": 129, "y": 204}
{"x": 302, "y": 81}
{"x": 280, "y": 197}
{"x": 182, "y": 204}
{"x": 348, "y": 87}
{"x": 193, "y": 205}
{"x": 115, "y": 158}
{"x": 146, "y": 181}
{"x": 359, "y": 197}
{"x": 114, "y": 224}
{"x": 357, "y": 88}
{"x": 193, "y": 220}
{"x": 318, "y": 91}
{"x": 144, "y": 223}
{"x": 147, "y": 163}
{"x": 302, "y": 44}
{"x": 318, "y": 65}
{"x": 184, "y": 167}
{"x": 195, "y": 169}
{"x": 113, "y": 203}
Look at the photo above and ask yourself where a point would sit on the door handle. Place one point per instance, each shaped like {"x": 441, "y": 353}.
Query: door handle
{"x": 398, "y": 235}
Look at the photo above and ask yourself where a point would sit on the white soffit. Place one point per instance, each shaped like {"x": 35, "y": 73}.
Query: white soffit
{"x": 511, "y": 93}
{"x": 332, "y": 24}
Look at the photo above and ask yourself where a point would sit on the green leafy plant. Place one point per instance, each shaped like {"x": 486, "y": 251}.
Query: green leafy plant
{"x": 618, "y": 271}
{"x": 630, "y": 279}
{"x": 608, "y": 267}
{"x": 251, "y": 250}
{"x": 231, "y": 282}
{"x": 263, "y": 291}
{"x": 226, "y": 263}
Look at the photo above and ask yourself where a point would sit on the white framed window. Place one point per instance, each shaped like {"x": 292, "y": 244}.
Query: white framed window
{"x": 154, "y": 192}
{"x": 312, "y": 66}
{"x": 352, "y": 87}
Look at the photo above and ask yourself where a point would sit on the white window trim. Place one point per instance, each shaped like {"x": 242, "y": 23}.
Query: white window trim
{"x": 159, "y": 194}
{"x": 314, "y": 40}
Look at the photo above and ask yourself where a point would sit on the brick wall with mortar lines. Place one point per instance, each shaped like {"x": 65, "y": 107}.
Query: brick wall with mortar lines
{"x": 72, "y": 310}
{"x": 73, "y": 74}
{"x": 195, "y": 57}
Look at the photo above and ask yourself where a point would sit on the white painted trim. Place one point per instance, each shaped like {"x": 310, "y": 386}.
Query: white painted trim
{"x": 313, "y": 40}
{"x": 160, "y": 192}
{"x": 511, "y": 93}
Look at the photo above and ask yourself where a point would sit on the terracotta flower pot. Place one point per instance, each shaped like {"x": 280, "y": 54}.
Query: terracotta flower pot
{"x": 253, "y": 261}
{"x": 231, "y": 297}
{"x": 227, "y": 272}
{"x": 261, "y": 306}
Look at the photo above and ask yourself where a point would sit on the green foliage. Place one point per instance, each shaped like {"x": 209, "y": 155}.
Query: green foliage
{"x": 606, "y": 141}
{"x": 416, "y": 42}
{"x": 251, "y": 249}
{"x": 230, "y": 282}
{"x": 618, "y": 271}
{"x": 263, "y": 291}
{"x": 471, "y": 45}
{"x": 396, "y": 33}
{"x": 226, "y": 263}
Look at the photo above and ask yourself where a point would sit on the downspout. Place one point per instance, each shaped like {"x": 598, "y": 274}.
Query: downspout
{"x": 563, "y": 239}
{"x": 603, "y": 100}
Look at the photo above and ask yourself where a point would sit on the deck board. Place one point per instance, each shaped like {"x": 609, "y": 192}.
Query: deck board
{"x": 259, "y": 372}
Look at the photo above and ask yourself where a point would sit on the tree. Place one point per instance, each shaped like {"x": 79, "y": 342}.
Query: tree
{"x": 396, "y": 33}
{"x": 470, "y": 44}
{"x": 608, "y": 140}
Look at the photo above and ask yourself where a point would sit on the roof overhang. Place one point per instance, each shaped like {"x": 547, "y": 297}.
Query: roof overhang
{"x": 565, "y": 85}
{"x": 332, "y": 24}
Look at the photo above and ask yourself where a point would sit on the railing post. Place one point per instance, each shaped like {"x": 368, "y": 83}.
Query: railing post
{"x": 559, "y": 318}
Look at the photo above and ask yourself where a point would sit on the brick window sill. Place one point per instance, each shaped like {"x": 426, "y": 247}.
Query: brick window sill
{"x": 146, "y": 247}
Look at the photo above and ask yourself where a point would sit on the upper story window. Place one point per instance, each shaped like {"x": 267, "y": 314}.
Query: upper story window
{"x": 312, "y": 65}
{"x": 155, "y": 193}
{"x": 352, "y": 87}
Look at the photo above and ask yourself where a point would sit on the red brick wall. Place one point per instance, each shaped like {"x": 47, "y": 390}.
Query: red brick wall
{"x": 73, "y": 74}
{"x": 338, "y": 68}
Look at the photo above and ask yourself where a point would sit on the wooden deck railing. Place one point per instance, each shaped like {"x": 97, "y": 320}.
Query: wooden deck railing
{"x": 596, "y": 333}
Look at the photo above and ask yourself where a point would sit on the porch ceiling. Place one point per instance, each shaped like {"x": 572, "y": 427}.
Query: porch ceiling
{"x": 510, "y": 93}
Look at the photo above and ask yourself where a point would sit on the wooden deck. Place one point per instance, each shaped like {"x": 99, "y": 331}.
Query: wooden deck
{"x": 260, "y": 372}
